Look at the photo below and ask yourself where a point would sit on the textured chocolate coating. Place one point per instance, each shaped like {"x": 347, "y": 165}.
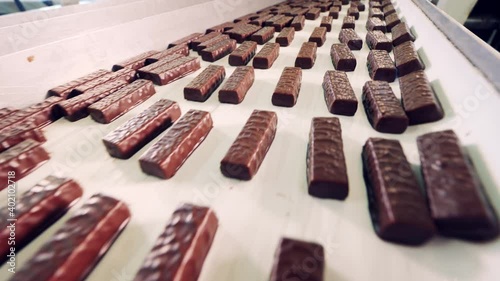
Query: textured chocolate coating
{"x": 380, "y": 66}
{"x": 377, "y": 40}
{"x": 120, "y": 102}
{"x": 218, "y": 51}
{"x": 337, "y": 3}
{"x": 204, "y": 38}
{"x": 326, "y": 22}
{"x": 359, "y": 5}
{"x": 76, "y": 248}
{"x": 334, "y": 12}
{"x": 179, "y": 49}
{"x": 185, "y": 40}
{"x": 287, "y": 90}
{"x": 342, "y": 57}
{"x": 326, "y": 167}
{"x": 307, "y": 55}
{"x": 376, "y": 12}
{"x": 20, "y": 132}
{"x": 243, "y": 54}
{"x": 244, "y": 157}
{"x": 164, "y": 60}
{"x": 260, "y": 20}
{"x": 286, "y": 36}
{"x": 126, "y": 140}
{"x": 65, "y": 89}
{"x": 398, "y": 208}
{"x": 420, "y": 103}
{"x": 391, "y": 21}
{"x": 271, "y": 20}
{"x": 298, "y": 12}
{"x": 7, "y": 111}
{"x": 220, "y": 27}
{"x": 401, "y": 33}
{"x": 134, "y": 62}
{"x": 202, "y": 87}
{"x": 237, "y": 85}
{"x": 313, "y": 14}
{"x": 21, "y": 159}
{"x": 407, "y": 60}
{"x": 282, "y": 23}
{"x": 350, "y": 37}
{"x": 242, "y": 32}
{"x": 247, "y": 17}
{"x": 37, "y": 209}
{"x": 40, "y": 114}
{"x": 339, "y": 95}
{"x": 264, "y": 35}
{"x": 187, "y": 237}
{"x": 388, "y": 10}
{"x": 124, "y": 74}
{"x": 167, "y": 155}
{"x": 318, "y": 35}
{"x": 298, "y": 23}
{"x": 266, "y": 57}
{"x": 376, "y": 24}
{"x": 349, "y": 22}
{"x": 383, "y": 109}
{"x": 458, "y": 202}
{"x": 353, "y": 12}
{"x": 169, "y": 72}
{"x": 211, "y": 42}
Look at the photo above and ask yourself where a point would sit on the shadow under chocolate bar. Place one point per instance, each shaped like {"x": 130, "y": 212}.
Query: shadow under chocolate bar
{"x": 64, "y": 90}
{"x": 237, "y": 85}
{"x": 134, "y": 62}
{"x": 202, "y": 87}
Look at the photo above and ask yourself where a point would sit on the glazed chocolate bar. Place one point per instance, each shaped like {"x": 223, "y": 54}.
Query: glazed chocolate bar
{"x": 391, "y": 21}
{"x": 286, "y": 36}
{"x": 244, "y": 157}
{"x": 351, "y": 39}
{"x": 64, "y": 90}
{"x": 376, "y": 12}
{"x": 397, "y": 207}
{"x": 126, "y": 140}
{"x": 318, "y": 35}
{"x": 169, "y": 72}
{"x": 458, "y": 202}
{"x": 353, "y": 12}
{"x": 21, "y": 159}
{"x": 282, "y": 23}
{"x": 76, "y": 248}
{"x": 407, "y": 60}
{"x": 388, "y": 10}
{"x": 287, "y": 91}
{"x": 326, "y": 21}
{"x": 385, "y": 3}
{"x": 298, "y": 12}
{"x": 263, "y": 35}
{"x": 7, "y": 111}
{"x": 339, "y": 95}
{"x": 211, "y": 42}
{"x": 420, "y": 103}
{"x": 204, "y": 38}
{"x": 376, "y": 24}
{"x": 242, "y": 32}
{"x": 260, "y": 21}
{"x": 202, "y": 87}
{"x": 37, "y": 209}
{"x": 337, "y": 3}
{"x": 359, "y": 5}
{"x": 135, "y": 62}
{"x": 167, "y": 155}
{"x": 334, "y": 12}
{"x": 220, "y": 27}
{"x": 349, "y": 22}
{"x": 188, "y": 237}
{"x": 400, "y": 34}
{"x": 243, "y": 54}
{"x": 380, "y": 66}
{"x": 266, "y": 57}
{"x": 179, "y": 49}
{"x": 377, "y": 40}
{"x": 313, "y": 14}
{"x": 298, "y": 23}
{"x": 218, "y": 51}
{"x": 40, "y": 114}
{"x": 326, "y": 167}
{"x": 164, "y": 60}
{"x": 120, "y": 102}
{"x": 307, "y": 55}
{"x": 247, "y": 17}
{"x": 324, "y": 6}
{"x": 20, "y": 132}
{"x": 383, "y": 109}
{"x": 185, "y": 40}
{"x": 125, "y": 74}
{"x": 342, "y": 57}
{"x": 237, "y": 85}
{"x": 271, "y": 20}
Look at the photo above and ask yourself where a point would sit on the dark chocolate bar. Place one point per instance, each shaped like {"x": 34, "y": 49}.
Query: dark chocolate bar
{"x": 388, "y": 10}
{"x": 64, "y": 90}
{"x": 376, "y": 12}
{"x": 40, "y": 114}
{"x": 244, "y": 157}
{"x": 20, "y": 132}
{"x": 339, "y": 95}
{"x": 237, "y": 85}
{"x": 242, "y": 32}
{"x": 287, "y": 90}
{"x": 243, "y": 54}
{"x": 337, "y": 3}
{"x": 391, "y": 21}
{"x": 324, "y": 6}
{"x": 248, "y": 17}
{"x": 211, "y": 42}
{"x": 164, "y": 60}
{"x": 271, "y": 20}
{"x": 458, "y": 202}
{"x": 377, "y": 40}
{"x": 135, "y": 62}
{"x": 318, "y": 35}
{"x": 167, "y": 155}
{"x": 282, "y": 23}
{"x": 407, "y": 60}
{"x": 202, "y": 87}
{"x": 179, "y": 49}
{"x": 353, "y": 12}
{"x": 266, "y": 57}
{"x": 174, "y": 70}
{"x": 286, "y": 36}
{"x": 204, "y": 38}
{"x": 385, "y": 3}
{"x": 126, "y": 140}
{"x": 375, "y": 24}
{"x": 260, "y": 21}
{"x": 186, "y": 40}
{"x": 124, "y": 74}
{"x": 397, "y": 207}
{"x": 334, "y": 12}
{"x": 264, "y": 35}
{"x": 326, "y": 21}
{"x": 359, "y": 5}
{"x": 401, "y": 33}
{"x": 220, "y": 27}
{"x": 307, "y": 55}
{"x": 351, "y": 39}
{"x": 298, "y": 23}
{"x": 380, "y": 66}
{"x": 313, "y": 14}
{"x": 342, "y": 57}
{"x": 218, "y": 51}
{"x": 349, "y": 22}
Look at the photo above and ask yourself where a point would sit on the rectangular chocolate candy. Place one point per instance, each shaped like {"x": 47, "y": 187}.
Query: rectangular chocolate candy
{"x": 125, "y": 74}
{"x": 244, "y": 157}
{"x": 391, "y": 21}
{"x": 359, "y": 5}
{"x": 349, "y": 22}
{"x": 407, "y": 60}
{"x": 420, "y": 103}
{"x": 376, "y": 24}
{"x": 218, "y": 51}
{"x": 383, "y": 109}
{"x": 353, "y": 12}
{"x": 242, "y": 32}
{"x": 260, "y": 21}
{"x": 377, "y": 40}
{"x": 220, "y": 27}
{"x": 313, "y": 13}
{"x": 120, "y": 102}
{"x": 37, "y": 209}
{"x": 397, "y": 207}
{"x": 285, "y": 37}
{"x": 76, "y": 248}
{"x": 298, "y": 23}
{"x": 307, "y": 55}
{"x": 326, "y": 21}
{"x": 18, "y": 133}
{"x": 271, "y": 20}
{"x": 40, "y": 114}
{"x": 318, "y": 35}
{"x": 167, "y": 155}
{"x": 179, "y": 49}
{"x": 380, "y": 66}
{"x": 339, "y": 95}
{"x": 174, "y": 70}
{"x": 458, "y": 202}
{"x": 401, "y": 33}
{"x": 188, "y": 236}
{"x": 237, "y": 85}
{"x": 266, "y": 57}
{"x": 376, "y": 12}
{"x": 334, "y": 12}
{"x": 202, "y": 87}
{"x": 351, "y": 39}
{"x": 342, "y": 57}
{"x": 185, "y": 40}
{"x": 388, "y": 10}
{"x": 282, "y": 23}
{"x": 263, "y": 35}
{"x": 287, "y": 90}
{"x": 126, "y": 140}
{"x": 134, "y": 62}
{"x": 243, "y": 54}
{"x": 64, "y": 90}
{"x": 211, "y": 42}
{"x": 21, "y": 159}
{"x": 204, "y": 38}
{"x": 326, "y": 167}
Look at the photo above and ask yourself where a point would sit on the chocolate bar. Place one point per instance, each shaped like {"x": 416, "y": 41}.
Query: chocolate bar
{"x": 377, "y": 40}
{"x": 40, "y": 114}
{"x": 120, "y": 102}
{"x": 220, "y": 27}
{"x": 385, "y": 3}
{"x": 7, "y": 111}
{"x": 318, "y": 35}
{"x": 298, "y": 12}
{"x": 400, "y": 34}
{"x": 359, "y": 5}
{"x": 218, "y": 51}
{"x": 307, "y": 55}
{"x": 398, "y": 209}
{"x": 353, "y": 12}
{"x": 298, "y": 23}
{"x": 21, "y": 159}
{"x": 458, "y": 202}
{"x": 211, "y": 42}
{"x": 391, "y": 21}
{"x": 204, "y": 38}
{"x": 339, "y": 95}
{"x": 324, "y": 7}
{"x": 179, "y": 49}
{"x": 248, "y": 17}
{"x": 244, "y": 157}
{"x": 271, "y": 20}
{"x": 263, "y": 35}
{"x": 287, "y": 91}
{"x": 342, "y": 57}
{"x": 36, "y": 210}
{"x": 135, "y": 62}
{"x": 376, "y": 12}
{"x": 20, "y": 132}
{"x": 243, "y": 54}
{"x": 64, "y": 90}
{"x": 334, "y": 12}
{"x": 169, "y": 72}
{"x": 407, "y": 60}
{"x": 376, "y": 24}
{"x": 188, "y": 237}
{"x": 349, "y": 22}
{"x": 124, "y": 74}
{"x": 167, "y": 155}
{"x": 282, "y": 23}
{"x": 202, "y": 87}
{"x": 286, "y": 36}
{"x": 126, "y": 140}
{"x": 383, "y": 109}
{"x": 388, "y": 10}
{"x": 337, "y": 3}
{"x": 420, "y": 103}
{"x": 164, "y": 60}
{"x": 313, "y": 14}
{"x": 380, "y": 66}
{"x": 242, "y": 32}
{"x": 266, "y": 57}
{"x": 186, "y": 40}
{"x": 76, "y": 248}
{"x": 326, "y": 21}
{"x": 260, "y": 21}
{"x": 375, "y": 4}
{"x": 351, "y": 39}
{"x": 237, "y": 85}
